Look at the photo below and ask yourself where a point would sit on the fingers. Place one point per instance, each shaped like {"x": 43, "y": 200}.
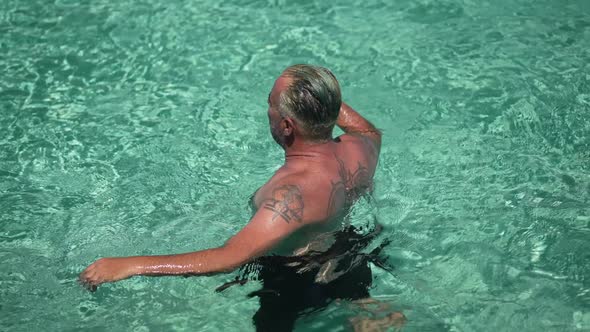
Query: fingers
{"x": 90, "y": 279}
{"x": 88, "y": 285}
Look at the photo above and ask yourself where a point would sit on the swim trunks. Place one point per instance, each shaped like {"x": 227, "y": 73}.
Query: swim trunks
{"x": 287, "y": 294}
{"x": 297, "y": 285}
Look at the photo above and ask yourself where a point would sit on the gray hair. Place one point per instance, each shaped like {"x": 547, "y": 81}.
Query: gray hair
{"x": 313, "y": 99}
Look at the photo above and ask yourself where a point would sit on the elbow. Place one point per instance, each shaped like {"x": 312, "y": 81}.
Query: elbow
{"x": 375, "y": 137}
{"x": 378, "y": 135}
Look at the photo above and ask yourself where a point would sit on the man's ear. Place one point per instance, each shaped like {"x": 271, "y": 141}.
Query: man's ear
{"x": 287, "y": 126}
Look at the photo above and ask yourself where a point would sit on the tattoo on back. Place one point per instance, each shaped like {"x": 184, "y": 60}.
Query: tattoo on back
{"x": 351, "y": 185}
{"x": 286, "y": 202}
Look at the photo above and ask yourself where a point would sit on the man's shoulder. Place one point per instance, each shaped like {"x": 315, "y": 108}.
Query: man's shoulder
{"x": 304, "y": 182}
{"x": 304, "y": 192}
{"x": 360, "y": 147}
{"x": 360, "y": 138}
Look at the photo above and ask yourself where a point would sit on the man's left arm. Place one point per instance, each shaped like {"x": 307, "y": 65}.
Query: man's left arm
{"x": 278, "y": 217}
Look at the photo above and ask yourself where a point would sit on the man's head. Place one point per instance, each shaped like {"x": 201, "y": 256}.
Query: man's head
{"x": 305, "y": 102}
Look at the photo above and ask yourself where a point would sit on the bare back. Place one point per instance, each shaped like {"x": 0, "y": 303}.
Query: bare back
{"x": 320, "y": 186}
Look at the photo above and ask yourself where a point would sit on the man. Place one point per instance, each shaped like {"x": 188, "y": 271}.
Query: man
{"x": 302, "y": 202}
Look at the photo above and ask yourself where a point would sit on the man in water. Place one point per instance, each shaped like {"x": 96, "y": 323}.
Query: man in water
{"x": 302, "y": 202}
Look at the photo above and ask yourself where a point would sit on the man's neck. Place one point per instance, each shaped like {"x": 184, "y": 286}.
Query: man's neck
{"x": 305, "y": 149}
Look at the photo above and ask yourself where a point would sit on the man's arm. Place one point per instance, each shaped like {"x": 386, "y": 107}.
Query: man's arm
{"x": 279, "y": 216}
{"x": 353, "y": 123}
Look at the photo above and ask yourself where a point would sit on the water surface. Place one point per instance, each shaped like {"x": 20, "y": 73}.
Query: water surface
{"x": 140, "y": 128}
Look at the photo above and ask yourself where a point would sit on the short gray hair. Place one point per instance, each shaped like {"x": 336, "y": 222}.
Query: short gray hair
{"x": 313, "y": 99}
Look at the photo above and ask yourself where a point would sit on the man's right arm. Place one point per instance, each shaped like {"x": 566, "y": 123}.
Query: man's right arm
{"x": 353, "y": 123}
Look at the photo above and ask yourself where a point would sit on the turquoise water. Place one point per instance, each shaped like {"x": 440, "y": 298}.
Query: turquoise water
{"x": 139, "y": 127}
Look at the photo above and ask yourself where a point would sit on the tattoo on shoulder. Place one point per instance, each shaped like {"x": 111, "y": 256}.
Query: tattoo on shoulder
{"x": 286, "y": 202}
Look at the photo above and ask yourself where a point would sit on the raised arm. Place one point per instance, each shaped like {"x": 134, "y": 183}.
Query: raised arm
{"x": 351, "y": 122}
{"x": 280, "y": 215}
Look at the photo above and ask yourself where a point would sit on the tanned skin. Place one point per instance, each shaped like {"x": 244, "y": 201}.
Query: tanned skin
{"x": 318, "y": 180}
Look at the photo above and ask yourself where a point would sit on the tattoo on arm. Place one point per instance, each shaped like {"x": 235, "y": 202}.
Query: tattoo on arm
{"x": 286, "y": 202}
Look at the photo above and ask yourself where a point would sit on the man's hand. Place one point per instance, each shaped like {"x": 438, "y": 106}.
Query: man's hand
{"x": 107, "y": 270}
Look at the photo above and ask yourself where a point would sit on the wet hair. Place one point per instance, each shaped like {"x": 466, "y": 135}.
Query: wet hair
{"x": 313, "y": 99}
